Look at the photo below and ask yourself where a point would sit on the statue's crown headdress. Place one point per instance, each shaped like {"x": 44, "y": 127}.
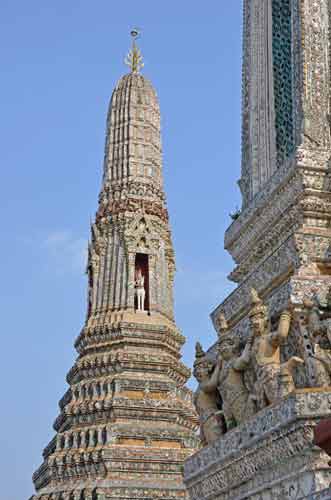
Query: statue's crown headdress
{"x": 222, "y": 323}
{"x": 199, "y": 354}
{"x": 223, "y": 328}
{"x": 258, "y": 308}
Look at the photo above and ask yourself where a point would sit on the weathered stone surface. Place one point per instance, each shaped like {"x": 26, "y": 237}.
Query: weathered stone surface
{"x": 271, "y": 456}
{"x": 206, "y": 397}
{"x": 322, "y": 495}
{"x": 281, "y": 240}
{"x": 281, "y": 244}
{"x": 127, "y": 422}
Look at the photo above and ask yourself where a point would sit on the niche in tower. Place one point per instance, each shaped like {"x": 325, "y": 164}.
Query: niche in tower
{"x": 141, "y": 266}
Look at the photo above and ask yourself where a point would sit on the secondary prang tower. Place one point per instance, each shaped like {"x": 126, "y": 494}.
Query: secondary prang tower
{"x": 126, "y": 423}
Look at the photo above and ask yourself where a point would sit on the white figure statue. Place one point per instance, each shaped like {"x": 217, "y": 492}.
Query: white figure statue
{"x": 140, "y": 290}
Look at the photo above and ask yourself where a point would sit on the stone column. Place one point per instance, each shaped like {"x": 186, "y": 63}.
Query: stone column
{"x": 258, "y": 136}
{"x": 315, "y": 71}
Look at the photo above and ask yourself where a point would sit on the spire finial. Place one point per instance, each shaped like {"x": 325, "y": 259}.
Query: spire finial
{"x": 134, "y": 59}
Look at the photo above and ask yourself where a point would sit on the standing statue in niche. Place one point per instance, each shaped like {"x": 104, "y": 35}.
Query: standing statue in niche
{"x": 238, "y": 403}
{"x": 206, "y": 398}
{"x": 140, "y": 290}
{"x": 319, "y": 328}
{"x": 274, "y": 380}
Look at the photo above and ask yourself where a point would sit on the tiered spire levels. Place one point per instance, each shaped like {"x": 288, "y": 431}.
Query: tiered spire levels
{"x": 133, "y": 138}
{"x": 133, "y": 142}
{"x": 127, "y": 422}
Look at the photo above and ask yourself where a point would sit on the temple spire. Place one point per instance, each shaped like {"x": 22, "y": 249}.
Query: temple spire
{"x": 134, "y": 59}
{"x": 127, "y": 418}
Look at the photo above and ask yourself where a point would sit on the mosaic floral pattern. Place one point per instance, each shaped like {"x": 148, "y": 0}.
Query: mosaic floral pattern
{"x": 282, "y": 36}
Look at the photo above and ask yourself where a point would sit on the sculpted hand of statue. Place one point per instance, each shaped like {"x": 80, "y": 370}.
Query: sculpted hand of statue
{"x": 238, "y": 403}
{"x": 285, "y": 377}
{"x": 206, "y": 398}
{"x": 280, "y": 335}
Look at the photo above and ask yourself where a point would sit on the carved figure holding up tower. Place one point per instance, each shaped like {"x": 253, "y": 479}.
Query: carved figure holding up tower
{"x": 318, "y": 314}
{"x": 206, "y": 398}
{"x": 266, "y": 354}
{"x": 238, "y": 403}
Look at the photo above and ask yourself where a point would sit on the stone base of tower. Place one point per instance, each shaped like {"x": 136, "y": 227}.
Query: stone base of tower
{"x": 121, "y": 473}
{"x": 109, "y": 490}
{"x": 270, "y": 457}
{"x": 127, "y": 423}
{"x": 119, "y": 493}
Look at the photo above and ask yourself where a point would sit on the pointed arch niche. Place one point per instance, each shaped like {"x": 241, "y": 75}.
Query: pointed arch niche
{"x": 142, "y": 264}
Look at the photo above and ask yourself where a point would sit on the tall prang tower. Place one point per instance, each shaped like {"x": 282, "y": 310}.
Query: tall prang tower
{"x": 280, "y": 241}
{"x": 127, "y": 422}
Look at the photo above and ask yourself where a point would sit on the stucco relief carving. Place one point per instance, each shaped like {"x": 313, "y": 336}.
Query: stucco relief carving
{"x": 207, "y": 400}
{"x": 269, "y": 367}
{"x": 257, "y": 375}
{"x": 274, "y": 379}
{"x": 281, "y": 244}
{"x": 285, "y": 433}
{"x": 278, "y": 240}
{"x": 239, "y": 403}
{"x": 316, "y": 71}
{"x": 256, "y": 224}
{"x": 315, "y": 326}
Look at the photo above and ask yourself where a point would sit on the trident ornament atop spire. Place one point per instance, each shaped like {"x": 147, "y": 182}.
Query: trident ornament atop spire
{"x": 134, "y": 59}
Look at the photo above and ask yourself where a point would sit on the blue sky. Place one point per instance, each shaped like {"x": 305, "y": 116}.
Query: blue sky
{"x": 59, "y": 63}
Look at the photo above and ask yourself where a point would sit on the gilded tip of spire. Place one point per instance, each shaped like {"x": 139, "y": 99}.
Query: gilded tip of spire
{"x": 134, "y": 59}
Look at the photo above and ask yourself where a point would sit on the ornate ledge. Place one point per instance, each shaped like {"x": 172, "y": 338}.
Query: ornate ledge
{"x": 272, "y": 452}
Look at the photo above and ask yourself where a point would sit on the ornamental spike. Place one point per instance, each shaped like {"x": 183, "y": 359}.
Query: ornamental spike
{"x": 134, "y": 59}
